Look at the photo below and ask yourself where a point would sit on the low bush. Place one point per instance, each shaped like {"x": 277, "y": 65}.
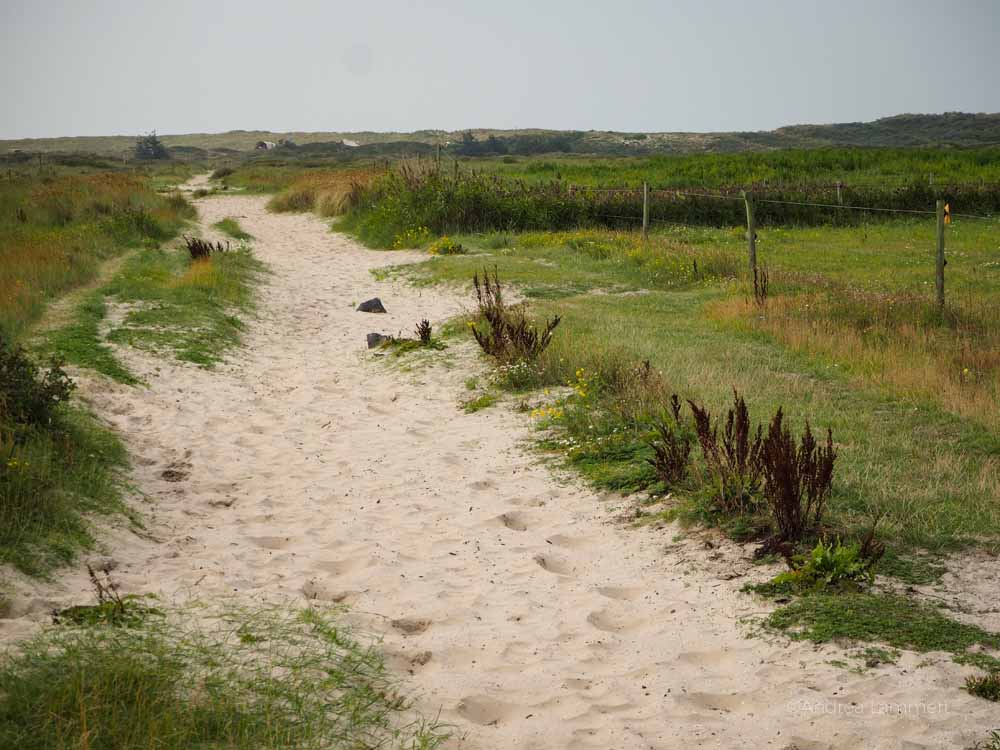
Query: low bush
{"x": 446, "y": 246}
{"x": 28, "y": 396}
{"x": 671, "y": 448}
{"x": 827, "y": 567}
{"x": 423, "y": 331}
{"x": 200, "y": 249}
{"x": 221, "y": 172}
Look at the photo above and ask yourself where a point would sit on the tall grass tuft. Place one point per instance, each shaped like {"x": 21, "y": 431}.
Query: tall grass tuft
{"x": 508, "y": 334}
{"x": 797, "y": 479}
{"x": 735, "y": 462}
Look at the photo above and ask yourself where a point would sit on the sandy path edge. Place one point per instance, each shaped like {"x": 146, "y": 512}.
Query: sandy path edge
{"x": 522, "y": 611}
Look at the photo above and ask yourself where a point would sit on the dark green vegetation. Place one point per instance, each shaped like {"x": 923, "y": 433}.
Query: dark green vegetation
{"x": 985, "y": 686}
{"x": 953, "y": 128}
{"x": 897, "y": 621}
{"x": 56, "y": 466}
{"x": 857, "y": 169}
{"x": 235, "y": 679}
{"x": 421, "y": 195}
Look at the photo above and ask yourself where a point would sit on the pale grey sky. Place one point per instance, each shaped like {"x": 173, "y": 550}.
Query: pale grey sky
{"x": 96, "y": 68}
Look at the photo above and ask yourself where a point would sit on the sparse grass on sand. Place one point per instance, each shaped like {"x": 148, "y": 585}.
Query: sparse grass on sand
{"x": 190, "y": 309}
{"x": 231, "y": 227}
{"x": 233, "y": 678}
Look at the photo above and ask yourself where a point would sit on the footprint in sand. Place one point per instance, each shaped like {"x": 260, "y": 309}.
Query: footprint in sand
{"x": 410, "y": 625}
{"x": 485, "y": 711}
{"x": 343, "y": 567}
{"x": 513, "y": 521}
{"x": 570, "y": 542}
{"x": 611, "y": 622}
{"x": 553, "y": 564}
{"x": 621, "y": 593}
{"x": 270, "y": 542}
{"x": 482, "y": 485}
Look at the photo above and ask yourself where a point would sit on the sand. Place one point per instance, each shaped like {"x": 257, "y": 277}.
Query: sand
{"x": 515, "y": 601}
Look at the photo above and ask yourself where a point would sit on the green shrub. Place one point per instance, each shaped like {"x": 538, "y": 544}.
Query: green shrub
{"x": 827, "y": 566}
{"x": 29, "y": 397}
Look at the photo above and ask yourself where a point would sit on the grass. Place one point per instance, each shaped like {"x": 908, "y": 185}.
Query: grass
{"x": 55, "y": 231}
{"x": 232, "y": 678}
{"x": 324, "y": 191}
{"x": 230, "y": 227}
{"x": 896, "y": 621}
{"x": 933, "y": 474}
{"x": 189, "y": 309}
{"x": 52, "y": 480}
{"x": 483, "y": 401}
{"x": 853, "y": 167}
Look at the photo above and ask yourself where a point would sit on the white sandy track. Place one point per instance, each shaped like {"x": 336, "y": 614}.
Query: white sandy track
{"x": 524, "y": 614}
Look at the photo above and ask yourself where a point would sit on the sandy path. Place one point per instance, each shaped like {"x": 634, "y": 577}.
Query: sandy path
{"x": 525, "y": 615}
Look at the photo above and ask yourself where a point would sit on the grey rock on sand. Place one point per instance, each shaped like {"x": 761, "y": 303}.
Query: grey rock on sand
{"x": 373, "y": 305}
{"x": 377, "y": 339}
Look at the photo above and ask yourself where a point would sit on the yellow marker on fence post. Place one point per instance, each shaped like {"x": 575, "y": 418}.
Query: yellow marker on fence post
{"x": 943, "y": 217}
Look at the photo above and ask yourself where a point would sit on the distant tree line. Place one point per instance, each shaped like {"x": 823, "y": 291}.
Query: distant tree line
{"x": 518, "y": 145}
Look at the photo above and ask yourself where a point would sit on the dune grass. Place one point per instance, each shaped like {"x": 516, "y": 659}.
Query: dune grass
{"x": 188, "y": 309}
{"x": 230, "y": 227}
{"x": 56, "y": 231}
{"x": 52, "y": 479}
{"x": 229, "y": 678}
{"x": 934, "y": 475}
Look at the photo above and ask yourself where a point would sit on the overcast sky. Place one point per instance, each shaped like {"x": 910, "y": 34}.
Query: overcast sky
{"x": 94, "y": 68}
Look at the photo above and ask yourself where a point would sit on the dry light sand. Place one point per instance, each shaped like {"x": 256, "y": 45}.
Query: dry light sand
{"x": 510, "y": 597}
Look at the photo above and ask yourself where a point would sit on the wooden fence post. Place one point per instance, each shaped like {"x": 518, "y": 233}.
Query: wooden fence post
{"x": 840, "y": 198}
{"x": 751, "y": 233}
{"x": 645, "y": 210}
{"x": 941, "y": 262}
